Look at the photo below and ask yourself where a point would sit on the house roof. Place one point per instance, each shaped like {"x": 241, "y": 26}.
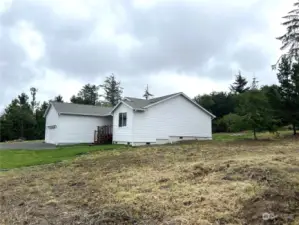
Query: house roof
{"x": 142, "y": 104}
{"x": 138, "y": 103}
{"x": 79, "y": 109}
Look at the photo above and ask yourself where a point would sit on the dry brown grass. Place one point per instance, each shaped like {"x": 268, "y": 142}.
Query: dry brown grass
{"x": 195, "y": 183}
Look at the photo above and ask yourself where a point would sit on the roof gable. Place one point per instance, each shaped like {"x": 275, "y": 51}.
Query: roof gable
{"x": 142, "y": 104}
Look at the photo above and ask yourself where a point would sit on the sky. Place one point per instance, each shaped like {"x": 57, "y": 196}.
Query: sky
{"x": 190, "y": 46}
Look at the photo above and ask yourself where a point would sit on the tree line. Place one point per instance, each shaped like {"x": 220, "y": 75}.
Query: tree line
{"x": 254, "y": 107}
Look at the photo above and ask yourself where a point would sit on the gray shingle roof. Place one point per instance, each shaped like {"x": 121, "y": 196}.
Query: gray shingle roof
{"x": 138, "y": 103}
{"x": 78, "y": 109}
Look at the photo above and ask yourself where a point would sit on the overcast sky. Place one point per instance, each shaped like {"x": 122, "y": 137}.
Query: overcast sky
{"x": 193, "y": 46}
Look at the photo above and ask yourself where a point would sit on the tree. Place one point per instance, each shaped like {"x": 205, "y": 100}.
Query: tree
{"x": 254, "y": 84}
{"x": 24, "y": 113}
{"x": 255, "y": 111}
{"x": 205, "y": 101}
{"x": 288, "y": 77}
{"x": 18, "y": 120}
{"x": 112, "y": 90}
{"x": 33, "y": 92}
{"x": 290, "y": 40}
{"x": 147, "y": 94}
{"x": 88, "y": 95}
{"x": 239, "y": 86}
{"x": 40, "y": 121}
{"x": 58, "y": 98}
{"x": 233, "y": 123}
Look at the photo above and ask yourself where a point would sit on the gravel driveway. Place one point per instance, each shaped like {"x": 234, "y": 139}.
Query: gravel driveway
{"x": 26, "y": 145}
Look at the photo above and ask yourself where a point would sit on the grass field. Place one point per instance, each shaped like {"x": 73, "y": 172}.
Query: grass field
{"x": 21, "y": 158}
{"x": 209, "y": 182}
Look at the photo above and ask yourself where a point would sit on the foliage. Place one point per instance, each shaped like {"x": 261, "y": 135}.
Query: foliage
{"x": 288, "y": 77}
{"x": 59, "y": 98}
{"x": 255, "y": 111}
{"x": 33, "y": 92}
{"x": 239, "y": 86}
{"x": 233, "y": 123}
{"x": 88, "y": 95}
{"x": 112, "y": 90}
{"x": 290, "y": 40}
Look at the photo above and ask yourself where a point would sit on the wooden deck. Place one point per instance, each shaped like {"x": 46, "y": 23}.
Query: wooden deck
{"x": 103, "y": 135}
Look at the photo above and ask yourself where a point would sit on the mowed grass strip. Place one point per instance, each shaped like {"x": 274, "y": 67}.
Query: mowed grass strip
{"x": 21, "y": 158}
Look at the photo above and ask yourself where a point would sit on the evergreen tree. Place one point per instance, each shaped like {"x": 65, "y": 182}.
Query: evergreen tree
{"x": 239, "y": 86}
{"x": 58, "y": 98}
{"x": 33, "y": 92}
{"x": 254, "y": 84}
{"x": 112, "y": 90}
{"x": 40, "y": 121}
{"x": 290, "y": 40}
{"x": 88, "y": 95}
{"x": 288, "y": 77}
{"x": 147, "y": 94}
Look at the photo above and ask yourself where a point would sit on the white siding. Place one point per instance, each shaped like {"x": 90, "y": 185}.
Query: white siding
{"x": 122, "y": 134}
{"x": 80, "y": 129}
{"x": 51, "y": 135}
{"x": 171, "y": 120}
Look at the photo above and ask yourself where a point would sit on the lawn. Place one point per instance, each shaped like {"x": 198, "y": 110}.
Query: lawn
{"x": 206, "y": 183}
{"x": 248, "y": 135}
{"x": 21, "y": 158}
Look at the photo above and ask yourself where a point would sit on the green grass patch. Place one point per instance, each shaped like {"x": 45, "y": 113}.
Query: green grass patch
{"x": 21, "y": 158}
{"x": 248, "y": 135}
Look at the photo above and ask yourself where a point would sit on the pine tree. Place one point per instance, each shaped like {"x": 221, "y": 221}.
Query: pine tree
{"x": 58, "y": 98}
{"x": 288, "y": 77}
{"x": 254, "y": 84}
{"x": 112, "y": 89}
{"x": 147, "y": 94}
{"x": 88, "y": 95}
{"x": 239, "y": 86}
{"x": 290, "y": 40}
{"x": 33, "y": 92}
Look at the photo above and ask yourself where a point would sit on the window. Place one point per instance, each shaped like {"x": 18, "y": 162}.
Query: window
{"x": 122, "y": 119}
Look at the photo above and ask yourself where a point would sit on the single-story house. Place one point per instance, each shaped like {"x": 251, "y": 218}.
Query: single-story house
{"x": 134, "y": 121}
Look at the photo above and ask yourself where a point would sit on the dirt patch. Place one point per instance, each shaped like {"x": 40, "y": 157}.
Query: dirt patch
{"x": 274, "y": 206}
{"x": 278, "y": 203}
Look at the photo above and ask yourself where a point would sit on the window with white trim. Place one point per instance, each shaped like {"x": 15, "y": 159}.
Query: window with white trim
{"x": 122, "y": 119}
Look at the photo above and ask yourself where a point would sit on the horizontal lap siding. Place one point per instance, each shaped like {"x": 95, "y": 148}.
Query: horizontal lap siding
{"x": 175, "y": 117}
{"x": 80, "y": 129}
{"x": 123, "y": 134}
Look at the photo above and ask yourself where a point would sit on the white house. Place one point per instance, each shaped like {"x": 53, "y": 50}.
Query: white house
{"x": 135, "y": 121}
{"x": 68, "y": 123}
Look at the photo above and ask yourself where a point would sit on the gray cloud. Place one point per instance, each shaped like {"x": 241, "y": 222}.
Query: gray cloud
{"x": 251, "y": 57}
{"x": 13, "y": 72}
{"x": 181, "y": 36}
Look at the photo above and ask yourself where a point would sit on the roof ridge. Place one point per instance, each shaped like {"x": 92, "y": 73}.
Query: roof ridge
{"x": 155, "y": 97}
{"x": 70, "y": 103}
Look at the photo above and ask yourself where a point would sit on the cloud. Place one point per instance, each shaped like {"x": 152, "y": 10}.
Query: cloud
{"x": 137, "y": 40}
